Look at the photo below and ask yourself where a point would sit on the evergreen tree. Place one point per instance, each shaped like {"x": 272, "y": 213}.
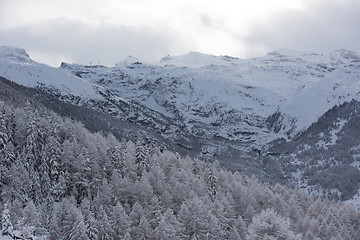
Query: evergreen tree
{"x": 214, "y": 230}
{"x": 143, "y": 230}
{"x": 53, "y": 154}
{"x": 68, "y": 221}
{"x": 33, "y": 138}
{"x": 154, "y": 212}
{"x": 135, "y": 216}
{"x": 168, "y": 227}
{"x": 58, "y": 191}
{"x": 143, "y": 190}
{"x": 20, "y": 185}
{"x": 212, "y": 184}
{"x": 193, "y": 217}
{"x": 157, "y": 180}
{"x": 6, "y": 225}
{"x": 44, "y": 178}
{"x": 31, "y": 215}
{"x": 78, "y": 231}
{"x": 240, "y": 226}
{"x": 120, "y": 221}
{"x": 4, "y": 139}
{"x": 141, "y": 157}
{"x": 103, "y": 225}
{"x": 195, "y": 168}
{"x": 116, "y": 155}
{"x": 89, "y": 220}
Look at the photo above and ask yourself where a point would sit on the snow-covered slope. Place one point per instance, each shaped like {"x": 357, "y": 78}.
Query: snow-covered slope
{"x": 197, "y": 60}
{"x": 15, "y": 64}
{"x": 231, "y": 95}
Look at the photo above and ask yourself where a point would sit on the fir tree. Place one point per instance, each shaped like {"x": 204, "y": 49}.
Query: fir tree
{"x": 6, "y": 225}
{"x": 212, "y": 184}
{"x": 89, "y": 220}
{"x": 141, "y": 157}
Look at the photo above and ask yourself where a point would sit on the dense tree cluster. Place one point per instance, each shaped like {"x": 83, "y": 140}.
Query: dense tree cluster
{"x": 73, "y": 184}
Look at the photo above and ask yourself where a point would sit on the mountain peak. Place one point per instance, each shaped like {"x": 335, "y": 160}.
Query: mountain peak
{"x": 196, "y": 60}
{"x": 127, "y": 61}
{"x": 286, "y": 52}
{"x": 346, "y": 54}
{"x": 15, "y": 54}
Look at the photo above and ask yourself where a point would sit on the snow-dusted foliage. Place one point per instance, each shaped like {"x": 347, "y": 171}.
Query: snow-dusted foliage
{"x": 6, "y": 225}
{"x": 74, "y": 184}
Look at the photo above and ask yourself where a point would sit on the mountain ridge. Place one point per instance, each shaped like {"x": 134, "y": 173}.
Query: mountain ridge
{"x": 218, "y": 107}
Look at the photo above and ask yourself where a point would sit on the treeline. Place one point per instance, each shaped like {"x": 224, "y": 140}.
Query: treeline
{"x": 72, "y": 184}
{"x": 328, "y": 153}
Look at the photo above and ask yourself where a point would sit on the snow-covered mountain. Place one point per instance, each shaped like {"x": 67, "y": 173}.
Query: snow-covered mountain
{"x": 16, "y": 65}
{"x": 233, "y": 98}
{"x": 215, "y": 106}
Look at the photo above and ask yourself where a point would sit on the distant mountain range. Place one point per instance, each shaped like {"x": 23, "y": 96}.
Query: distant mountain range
{"x": 289, "y": 117}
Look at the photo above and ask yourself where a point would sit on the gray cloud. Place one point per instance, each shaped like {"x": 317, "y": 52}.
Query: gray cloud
{"x": 321, "y": 25}
{"x": 80, "y": 42}
{"x": 324, "y": 25}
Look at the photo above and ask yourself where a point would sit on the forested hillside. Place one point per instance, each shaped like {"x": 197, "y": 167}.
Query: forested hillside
{"x": 64, "y": 182}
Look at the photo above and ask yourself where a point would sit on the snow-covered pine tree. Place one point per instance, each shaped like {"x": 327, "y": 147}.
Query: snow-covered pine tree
{"x": 45, "y": 182}
{"x": 4, "y": 164}
{"x": 116, "y": 153}
{"x": 52, "y": 150}
{"x": 154, "y": 212}
{"x": 6, "y": 225}
{"x": 195, "y": 168}
{"x": 4, "y": 138}
{"x": 143, "y": 230}
{"x": 103, "y": 225}
{"x": 120, "y": 221}
{"x": 212, "y": 183}
{"x": 168, "y": 227}
{"x": 141, "y": 157}
{"x": 31, "y": 215}
{"x": 89, "y": 220}
{"x": 78, "y": 228}
{"x": 135, "y": 216}
{"x": 193, "y": 217}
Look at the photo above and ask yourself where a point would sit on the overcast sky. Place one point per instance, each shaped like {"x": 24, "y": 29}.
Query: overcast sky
{"x": 107, "y": 31}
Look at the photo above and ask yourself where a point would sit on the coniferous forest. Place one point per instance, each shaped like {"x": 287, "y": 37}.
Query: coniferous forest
{"x": 64, "y": 182}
